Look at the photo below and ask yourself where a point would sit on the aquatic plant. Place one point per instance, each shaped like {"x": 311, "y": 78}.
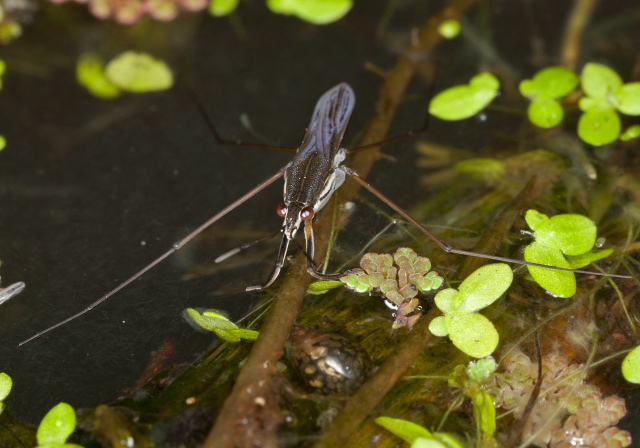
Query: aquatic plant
{"x": 567, "y": 411}
{"x": 129, "y": 72}
{"x": 319, "y": 12}
{"x": 469, "y": 331}
{"x": 565, "y": 241}
{"x": 130, "y": 11}
{"x": 604, "y": 95}
{"x": 418, "y": 436}
{"x": 399, "y": 283}
{"x": 631, "y": 366}
{"x": 56, "y": 427}
{"x": 217, "y": 322}
{"x": 464, "y": 101}
{"x": 5, "y": 387}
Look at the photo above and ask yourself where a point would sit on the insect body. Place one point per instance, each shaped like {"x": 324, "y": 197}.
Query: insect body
{"x": 314, "y": 173}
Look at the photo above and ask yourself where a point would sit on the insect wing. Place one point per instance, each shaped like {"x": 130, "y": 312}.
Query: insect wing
{"x": 329, "y": 122}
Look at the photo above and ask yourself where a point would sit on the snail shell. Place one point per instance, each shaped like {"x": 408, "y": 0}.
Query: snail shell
{"x": 327, "y": 363}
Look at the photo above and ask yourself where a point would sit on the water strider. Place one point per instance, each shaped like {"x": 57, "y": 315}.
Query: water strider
{"x": 310, "y": 179}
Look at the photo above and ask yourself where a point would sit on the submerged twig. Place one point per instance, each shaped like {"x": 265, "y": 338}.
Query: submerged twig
{"x": 578, "y": 20}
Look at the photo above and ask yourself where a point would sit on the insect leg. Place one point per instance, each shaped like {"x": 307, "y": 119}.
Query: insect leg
{"x": 282, "y": 253}
{"x": 447, "y": 248}
{"x": 222, "y": 141}
{"x": 176, "y": 246}
{"x": 411, "y": 133}
{"x": 311, "y": 267}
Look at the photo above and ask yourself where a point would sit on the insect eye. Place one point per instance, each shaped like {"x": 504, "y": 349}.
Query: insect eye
{"x": 281, "y": 210}
{"x": 306, "y": 213}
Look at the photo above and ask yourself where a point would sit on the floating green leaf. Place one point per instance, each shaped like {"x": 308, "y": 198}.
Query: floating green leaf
{"x": 563, "y": 235}
{"x": 631, "y": 366}
{"x": 627, "y": 98}
{"x": 472, "y": 333}
{"x": 558, "y": 283}
{"x": 219, "y": 8}
{"x": 630, "y": 133}
{"x": 56, "y": 427}
{"x": 449, "y": 300}
{"x": 598, "y": 80}
{"x": 535, "y": 219}
{"x": 484, "y": 286}
{"x": 593, "y": 104}
{"x": 582, "y": 260}
{"x": 5, "y": 388}
{"x": 550, "y": 82}
{"x": 139, "y": 72}
{"x": 464, "y": 101}
{"x": 406, "y": 430}
{"x": 484, "y": 413}
{"x": 3, "y": 142}
{"x": 485, "y": 81}
{"x": 544, "y": 89}
{"x": 90, "y": 75}
{"x": 599, "y": 127}
{"x": 358, "y": 282}
{"x": 418, "y": 436}
{"x": 421, "y": 442}
{"x": 319, "y": 12}
{"x": 218, "y": 323}
{"x": 545, "y": 112}
{"x": 438, "y": 327}
{"x": 449, "y": 29}
{"x": 600, "y": 123}
{"x": 322, "y": 286}
{"x": 5, "y": 385}
{"x": 9, "y": 29}
{"x": 570, "y": 233}
{"x": 3, "y": 68}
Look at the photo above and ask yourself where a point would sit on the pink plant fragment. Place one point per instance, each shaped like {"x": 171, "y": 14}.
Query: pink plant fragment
{"x": 128, "y": 12}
